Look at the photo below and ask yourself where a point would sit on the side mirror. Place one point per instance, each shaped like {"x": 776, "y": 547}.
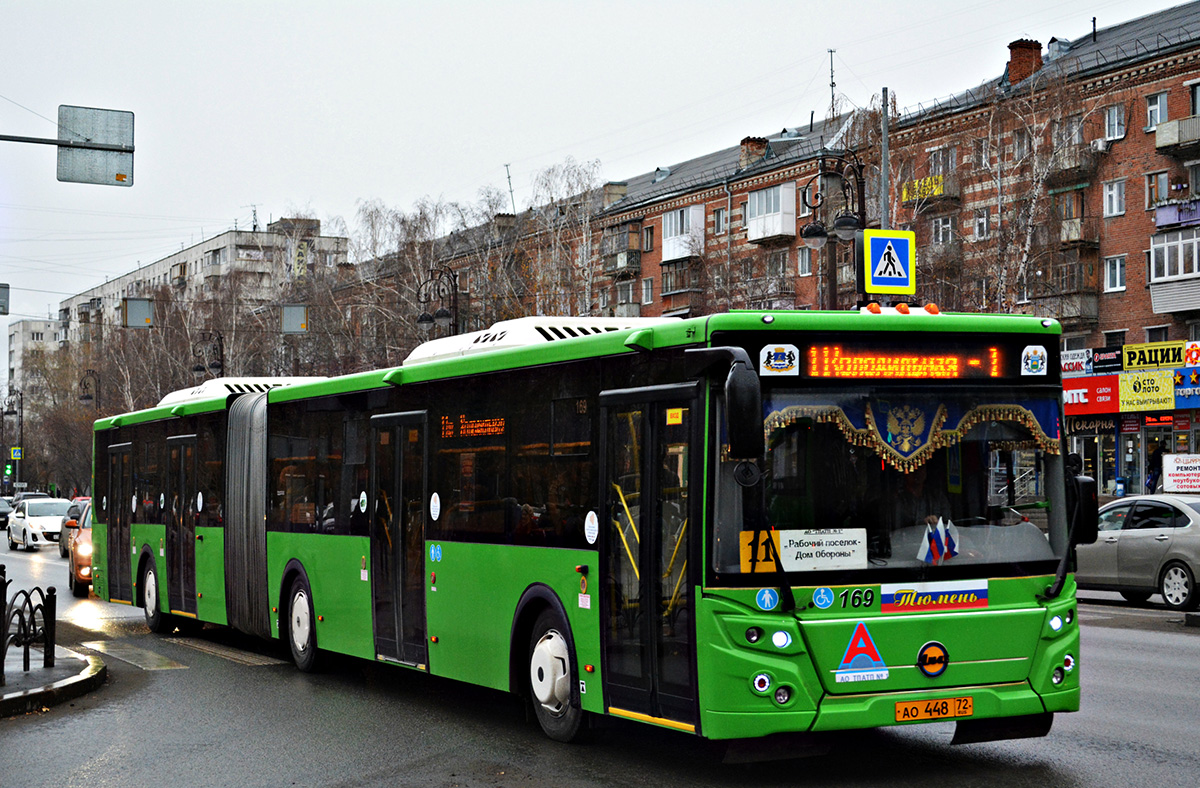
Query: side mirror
{"x": 71, "y": 524}
{"x": 743, "y": 400}
{"x": 1083, "y": 504}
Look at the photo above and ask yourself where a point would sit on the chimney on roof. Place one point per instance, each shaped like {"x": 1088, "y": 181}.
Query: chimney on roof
{"x": 614, "y": 192}
{"x": 753, "y": 149}
{"x": 1024, "y": 59}
{"x": 502, "y": 225}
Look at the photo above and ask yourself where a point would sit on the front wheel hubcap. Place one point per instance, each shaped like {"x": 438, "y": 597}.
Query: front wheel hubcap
{"x": 550, "y": 672}
{"x": 301, "y": 622}
{"x": 1175, "y": 586}
{"x": 151, "y": 592}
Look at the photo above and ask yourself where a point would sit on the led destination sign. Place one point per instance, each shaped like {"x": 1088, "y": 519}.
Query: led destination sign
{"x": 836, "y": 361}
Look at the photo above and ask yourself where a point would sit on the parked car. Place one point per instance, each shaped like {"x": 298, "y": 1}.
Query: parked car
{"x": 5, "y": 510}
{"x": 73, "y": 513}
{"x": 1147, "y": 544}
{"x": 22, "y": 496}
{"x": 79, "y": 564}
{"x": 36, "y": 522}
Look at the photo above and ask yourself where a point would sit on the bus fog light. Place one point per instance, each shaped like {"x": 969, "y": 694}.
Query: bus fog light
{"x": 1057, "y": 677}
{"x": 1071, "y": 616}
{"x": 1069, "y": 663}
{"x": 762, "y": 683}
{"x": 753, "y": 635}
{"x": 783, "y": 695}
{"x": 781, "y": 639}
{"x": 1056, "y": 623}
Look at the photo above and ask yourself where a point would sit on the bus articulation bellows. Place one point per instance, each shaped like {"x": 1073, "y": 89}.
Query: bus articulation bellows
{"x": 738, "y": 525}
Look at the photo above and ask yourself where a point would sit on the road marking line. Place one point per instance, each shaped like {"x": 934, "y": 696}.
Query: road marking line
{"x": 228, "y": 652}
{"x": 138, "y": 657}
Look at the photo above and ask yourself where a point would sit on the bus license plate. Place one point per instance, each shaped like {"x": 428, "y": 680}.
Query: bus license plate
{"x": 946, "y": 708}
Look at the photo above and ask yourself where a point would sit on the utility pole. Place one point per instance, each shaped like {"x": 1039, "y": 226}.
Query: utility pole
{"x": 510, "y": 190}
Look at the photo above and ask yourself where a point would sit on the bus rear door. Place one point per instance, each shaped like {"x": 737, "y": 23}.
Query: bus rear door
{"x": 398, "y": 536}
{"x": 182, "y": 513}
{"x": 649, "y": 639}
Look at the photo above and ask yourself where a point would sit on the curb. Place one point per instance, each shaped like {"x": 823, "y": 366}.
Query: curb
{"x": 88, "y": 679}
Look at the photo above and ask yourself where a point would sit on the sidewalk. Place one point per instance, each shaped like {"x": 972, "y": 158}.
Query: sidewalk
{"x": 73, "y": 675}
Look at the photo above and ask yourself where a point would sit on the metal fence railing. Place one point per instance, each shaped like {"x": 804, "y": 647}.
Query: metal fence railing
{"x": 29, "y": 619}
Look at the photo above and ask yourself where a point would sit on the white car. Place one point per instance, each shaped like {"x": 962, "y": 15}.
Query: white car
{"x": 36, "y": 521}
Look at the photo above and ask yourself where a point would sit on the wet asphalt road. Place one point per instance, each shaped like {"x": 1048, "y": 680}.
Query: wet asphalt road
{"x": 209, "y": 719}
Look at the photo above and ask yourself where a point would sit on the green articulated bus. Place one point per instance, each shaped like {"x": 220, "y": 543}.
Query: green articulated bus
{"x": 747, "y": 526}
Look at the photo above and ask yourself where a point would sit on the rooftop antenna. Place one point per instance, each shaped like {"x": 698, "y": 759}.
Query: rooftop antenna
{"x": 832, "y": 85}
{"x": 510, "y": 190}
{"x": 253, "y": 217}
{"x": 1093, "y": 30}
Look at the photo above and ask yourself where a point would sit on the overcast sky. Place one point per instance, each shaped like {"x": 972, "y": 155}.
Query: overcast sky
{"x": 311, "y": 107}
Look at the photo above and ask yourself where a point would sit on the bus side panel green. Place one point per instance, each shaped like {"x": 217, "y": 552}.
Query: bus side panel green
{"x": 341, "y": 598}
{"x": 100, "y": 559}
{"x": 151, "y": 537}
{"x": 210, "y": 575}
{"x": 471, "y": 608}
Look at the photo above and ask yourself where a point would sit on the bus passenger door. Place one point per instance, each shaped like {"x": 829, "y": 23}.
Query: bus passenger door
{"x": 120, "y": 505}
{"x": 398, "y": 536}
{"x": 648, "y": 613}
{"x": 181, "y": 516}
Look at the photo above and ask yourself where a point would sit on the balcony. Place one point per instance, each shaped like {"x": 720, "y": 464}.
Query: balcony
{"x": 1071, "y": 164}
{"x": 627, "y": 310}
{"x": 1079, "y": 232}
{"x": 1177, "y": 213}
{"x": 1178, "y": 138}
{"x": 772, "y": 214}
{"x": 1070, "y": 294}
{"x": 931, "y": 190}
{"x": 620, "y": 251}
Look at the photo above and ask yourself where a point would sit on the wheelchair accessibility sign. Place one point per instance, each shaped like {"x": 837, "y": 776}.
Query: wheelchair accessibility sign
{"x": 890, "y": 262}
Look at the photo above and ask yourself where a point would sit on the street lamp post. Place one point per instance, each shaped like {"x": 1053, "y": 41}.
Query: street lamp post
{"x": 441, "y": 284}
{"x": 14, "y": 405}
{"x": 210, "y": 350}
{"x": 847, "y": 225}
{"x": 87, "y": 384}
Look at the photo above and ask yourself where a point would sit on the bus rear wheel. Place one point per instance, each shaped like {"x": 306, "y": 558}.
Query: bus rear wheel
{"x": 550, "y": 678}
{"x": 301, "y": 629}
{"x": 157, "y": 620}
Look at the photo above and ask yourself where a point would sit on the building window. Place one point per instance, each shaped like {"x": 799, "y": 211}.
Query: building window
{"x": 1114, "y": 122}
{"x": 604, "y": 298}
{"x": 1156, "y": 334}
{"x": 1156, "y": 110}
{"x": 1070, "y": 132}
{"x": 37, "y": 336}
{"x": 1076, "y": 342}
{"x": 1114, "y": 273}
{"x": 625, "y": 292}
{"x": 1194, "y": 331}
{"x": 674, "y": 278}
{"x": 1174, "y": 255}
{"x": 1156, "y": 189}
{"x": 942, "y": 229}
{"x": 1023, "y": 289}
{"x": 777, "y": 262}
{"x": 982, "y": 215}
{"x": 1114, "y": 198}
{"x": 805, "y": 198}
{"x": 982, "y": 158}
{"x": 647, "y": 290}
{"x": 676, "y": 223}
{"x": 764, "y": 202}
{"x": 745, "y": 213}
{"x": 1020, "y": 144}
{"x": 804, "y": 261}
{"x": 1114, "y": 338}
{"x": 943, "y": 161}
{"x": 719, "y": 224}
{"x": 647, "y": 239}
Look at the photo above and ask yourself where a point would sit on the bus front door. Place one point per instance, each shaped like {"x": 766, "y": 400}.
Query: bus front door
{"x": 649, "y": 568}
{"x": 120, "y": 504}
{"x": 181, "y": 516}
{"x": 398, "y": 536}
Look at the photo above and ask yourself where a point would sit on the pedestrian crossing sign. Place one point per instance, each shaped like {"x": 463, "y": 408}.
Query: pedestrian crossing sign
{"x": 890, "y": 262}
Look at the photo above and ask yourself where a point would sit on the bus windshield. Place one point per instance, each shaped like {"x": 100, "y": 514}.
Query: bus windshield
{"x": 878, "y": 478}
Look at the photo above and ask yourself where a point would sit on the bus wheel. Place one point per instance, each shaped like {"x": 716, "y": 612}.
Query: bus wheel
{"x": 1178, "y": 587}
{"x": 301, "y": 634}
{"x": 155, "y": 618}
{"x": 550, "y": 677}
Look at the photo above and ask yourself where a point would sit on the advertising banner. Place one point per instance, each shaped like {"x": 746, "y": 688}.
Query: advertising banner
{"x": 1082, "y": 396}
{"x": 1076, "y": 362}
{"x": 1148, "y": 390}
{"x": 1181, "y": 473}
{"x": 1106, "y": 360}
{"x": 1152, "y": 355}
{"x": 1187, "y": 388}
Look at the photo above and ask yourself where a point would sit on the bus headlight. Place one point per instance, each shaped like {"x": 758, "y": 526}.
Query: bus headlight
{"x": 783, "y": 695}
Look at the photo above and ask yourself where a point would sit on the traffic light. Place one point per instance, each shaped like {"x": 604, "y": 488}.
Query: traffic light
{"x": 8, "y": 469}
